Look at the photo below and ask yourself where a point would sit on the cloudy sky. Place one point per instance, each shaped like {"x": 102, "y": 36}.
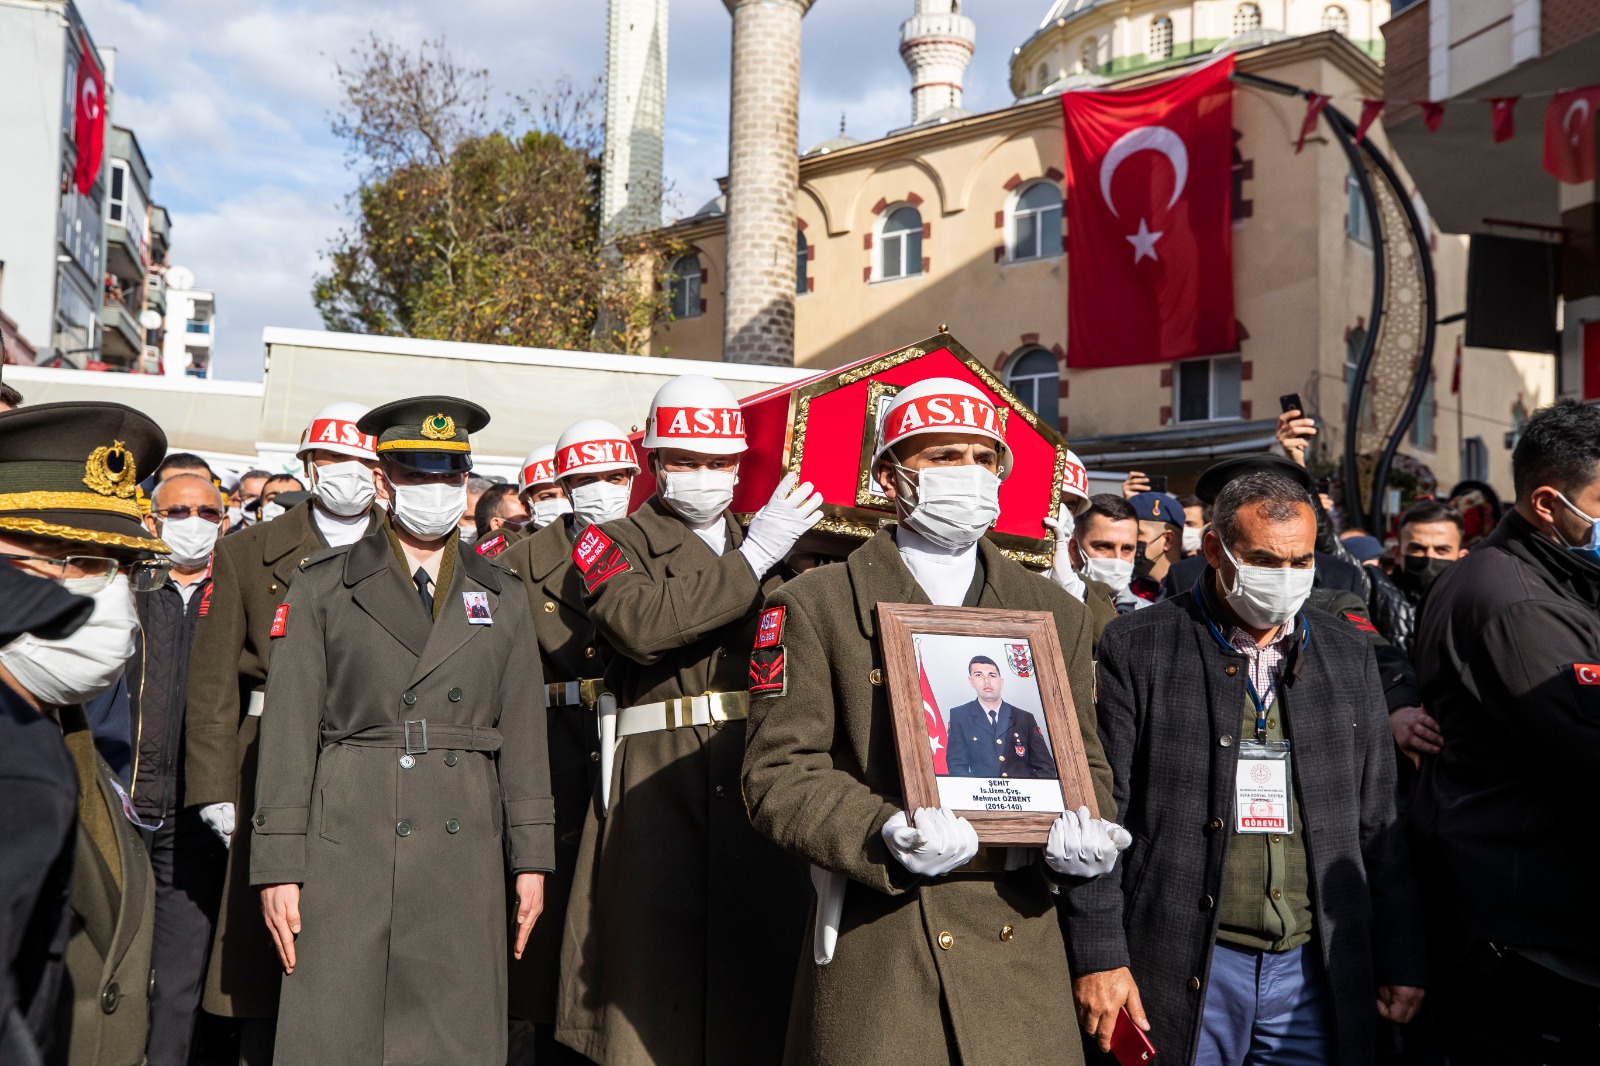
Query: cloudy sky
{"x": 231, "y": 103}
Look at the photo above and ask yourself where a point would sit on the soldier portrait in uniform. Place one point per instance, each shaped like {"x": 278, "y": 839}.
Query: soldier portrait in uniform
{"x": 1000, "y": 731}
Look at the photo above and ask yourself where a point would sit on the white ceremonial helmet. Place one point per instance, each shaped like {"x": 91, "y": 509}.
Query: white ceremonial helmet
{"x": 698, "y": 414}
{"x": 333, "y": 429}
{"x": 539, "y": 468}
{"x": 1075, "y": 485}
{"x": 593, "y": 446}
{"x": 943, "y": 405}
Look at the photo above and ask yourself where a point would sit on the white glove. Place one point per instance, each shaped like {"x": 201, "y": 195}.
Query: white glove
{"x": 938, "y": 842}
{"x": 787, "y": 516}
{"x": 1061, "y": 571}
{"x": 1081, "y": 846}
{"x": 219, "y": 818}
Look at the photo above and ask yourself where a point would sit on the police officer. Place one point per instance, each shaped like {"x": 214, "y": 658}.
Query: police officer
{"x": 595, "y": 466}
{"x": 683, "y": 922}
{"x": 540, "y": 490}
{"x": 907, "y": 967}
{"x": 69, "y": 513}
{"x": 402, "y": 774}
{"x": 250, "y": 576}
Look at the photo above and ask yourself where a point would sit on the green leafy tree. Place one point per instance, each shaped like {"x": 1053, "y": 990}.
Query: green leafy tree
{"x": 466, "y": 230}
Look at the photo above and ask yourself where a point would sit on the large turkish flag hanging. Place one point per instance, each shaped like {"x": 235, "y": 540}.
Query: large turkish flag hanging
{"x": 1149, "y": 191}
{"x": 89, "y": 120}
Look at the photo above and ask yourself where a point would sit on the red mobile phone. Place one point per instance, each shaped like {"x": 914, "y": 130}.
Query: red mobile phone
{"x": 1128, "y": 1042}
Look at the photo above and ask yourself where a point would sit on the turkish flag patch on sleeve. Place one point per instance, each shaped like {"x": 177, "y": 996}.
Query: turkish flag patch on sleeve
{"x": 1586, "y": 673}
{"x": 491, "y": 547}
{"x": 598, "y": 559}
{"x": 769, "y": 675}
{"x": 769, "y": 630}
{"x": 280, "y": 621}
{"x": 1363, "y": 624}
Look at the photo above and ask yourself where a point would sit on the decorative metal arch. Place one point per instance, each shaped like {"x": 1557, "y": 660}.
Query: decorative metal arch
{"x": 1397, "y": 356}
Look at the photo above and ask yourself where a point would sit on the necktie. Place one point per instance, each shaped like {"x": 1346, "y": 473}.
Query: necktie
{"x": 423, "y": 581}
{"x": 994, "y": 719}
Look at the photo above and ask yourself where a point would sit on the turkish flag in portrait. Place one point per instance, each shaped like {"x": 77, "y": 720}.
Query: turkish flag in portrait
{"x": 1569, "y": 135}
{"x": 938, "y": 736}
{"x": 1149, "y": 195}
{"x": 89, "y": 119}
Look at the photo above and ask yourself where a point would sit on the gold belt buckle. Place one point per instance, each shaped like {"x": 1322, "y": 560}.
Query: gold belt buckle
{"x": 590, "y": 689}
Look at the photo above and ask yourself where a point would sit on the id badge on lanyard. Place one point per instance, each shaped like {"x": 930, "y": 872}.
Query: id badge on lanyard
{"x": 1263, "y": 799}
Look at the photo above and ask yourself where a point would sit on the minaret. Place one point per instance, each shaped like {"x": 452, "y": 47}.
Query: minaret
{"x": 763, "y": 181}
{"x": 936, "y": 44}
{"x": 636, "y": 115}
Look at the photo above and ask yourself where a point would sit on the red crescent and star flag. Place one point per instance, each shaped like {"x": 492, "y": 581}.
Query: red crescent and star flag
{"x": 938, "y": 736}
{"x": 1569, "y": 135}
{"x": 1149, "y": 195}
{"x": 88, "y": 119}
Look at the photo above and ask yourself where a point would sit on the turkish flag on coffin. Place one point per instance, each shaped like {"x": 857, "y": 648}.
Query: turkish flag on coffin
{"x": 1150, "y": 267}
{"x": 88, "y": 120}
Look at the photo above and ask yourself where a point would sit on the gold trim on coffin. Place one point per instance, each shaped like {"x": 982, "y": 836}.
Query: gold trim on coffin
{"x": 424, "y": 446}
{"x": 39, "y": 528}
{"x": 68, "y": 501}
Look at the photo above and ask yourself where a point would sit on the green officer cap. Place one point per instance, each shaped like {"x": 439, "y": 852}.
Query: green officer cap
{"x": 426, "y": 433}
{"x": 70, "y": 472}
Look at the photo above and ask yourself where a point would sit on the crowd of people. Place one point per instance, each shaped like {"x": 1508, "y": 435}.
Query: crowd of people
{"x": 391, "y": 763}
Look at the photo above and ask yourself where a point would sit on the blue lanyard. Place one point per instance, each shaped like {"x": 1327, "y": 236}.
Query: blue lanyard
{"x": 1249, "y": 682}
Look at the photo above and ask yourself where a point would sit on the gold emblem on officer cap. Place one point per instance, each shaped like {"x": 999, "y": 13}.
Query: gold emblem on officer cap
{"x": 1155, "y": 508}
{"x": 110, "y": 471}
{"x": 439, "y": 427}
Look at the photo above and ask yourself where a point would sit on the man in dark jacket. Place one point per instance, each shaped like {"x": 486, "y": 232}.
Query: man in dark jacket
{"x": 187, "y": 512}
{"x": 1266, "y": 901}
{"x": 1503, "y": 817}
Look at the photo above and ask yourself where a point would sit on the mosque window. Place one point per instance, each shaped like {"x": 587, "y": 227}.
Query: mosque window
{"x": 1161, "y": 38}
{"x": 1035, "y": 378}
{"x": 900, "y": 244}
{"x": 802, "y": 259}
{"x": 1357, "y": 223}
{"x": 683, "y": 287}
{"x": 1036, "y": 222}
{"x": 1335, "y": 18}
{"x": 1246, "y": 18}
{"x": 1089, "y": 56}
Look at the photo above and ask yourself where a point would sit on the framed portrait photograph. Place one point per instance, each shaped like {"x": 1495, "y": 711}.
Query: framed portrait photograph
{"x": 984, "y": 719}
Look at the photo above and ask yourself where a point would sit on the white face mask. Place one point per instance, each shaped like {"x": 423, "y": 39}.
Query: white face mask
{"x": 1191, "y": 540}
{"x": 431, "y": 510}
{"x": 235, "y": 518}
{"x": 547, "y": 511}
{"x": 952, "y": 506}
{"x": 1267, "y": 596}
{"x": 699, "y": 496}
{"x": 1114, "y": 572}
{"x": 272, "y": 510}
{"x": 79, "y": 667}
{"x": 345, "y": 489}
{"x": 191, "y": 539}
{"x": 600, "y": 501}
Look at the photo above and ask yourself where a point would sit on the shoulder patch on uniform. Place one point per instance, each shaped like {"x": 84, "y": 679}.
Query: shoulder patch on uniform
{"x": 598, "y": 559}
{"x": 1586, "y": 673}
{"x": 769, "y": 629}
{"x": 1363, "y": 624}
{"x": 491, "y": 547}
{"x": 769, "y": 674}
{"x": 280, "y": 621}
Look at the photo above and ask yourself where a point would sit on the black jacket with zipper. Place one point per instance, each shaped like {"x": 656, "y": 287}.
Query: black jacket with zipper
{"x": 157, "y": 677}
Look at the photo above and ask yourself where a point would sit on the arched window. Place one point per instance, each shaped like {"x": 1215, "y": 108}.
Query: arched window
{"x": 683, "y": 286}
{"x": 900, "y": 244}
{"x": 1089, "y": 56}
{"x": 1246, "y": 17}
{"x": 801, "y": 259}
{"x": 1036, "y": 222}
{"x": 1335, "y": 18}
{"x": 1036, "y": 380}
{"x": 1161, "y": 38}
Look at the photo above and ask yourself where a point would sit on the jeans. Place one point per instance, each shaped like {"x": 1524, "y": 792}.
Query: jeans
{"x": 1266, "y": 1009}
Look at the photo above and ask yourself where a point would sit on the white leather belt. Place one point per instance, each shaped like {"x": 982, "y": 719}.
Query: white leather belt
{"x": 258, "y": 703}
{"x": 581, "y": 693}
{"x": 713, "y": 708}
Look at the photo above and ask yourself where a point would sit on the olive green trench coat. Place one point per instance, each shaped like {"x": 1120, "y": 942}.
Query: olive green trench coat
{"x": 568, "y": 652}
{"x": 400, "y": 834}
{"x": 684, "y": 923}
{"x": 250, "y": 575}
{"x": 967, "y": 968}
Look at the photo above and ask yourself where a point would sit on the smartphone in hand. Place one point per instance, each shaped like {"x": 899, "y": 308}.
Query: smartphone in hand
{"x": 1158, "y": 482}
{"x": 1291, "y": 402}
{"x": 1129, "y": 1044}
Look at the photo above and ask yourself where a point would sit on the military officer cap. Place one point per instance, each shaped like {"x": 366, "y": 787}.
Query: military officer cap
{"x": 70, "y": 472}
{"x": 426, "y": 433}
{"x": 1212, "y": 481}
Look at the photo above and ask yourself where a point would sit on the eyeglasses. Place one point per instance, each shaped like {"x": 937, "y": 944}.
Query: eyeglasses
{"x": 180, "y": 512}
{"x": 91, "y": 573}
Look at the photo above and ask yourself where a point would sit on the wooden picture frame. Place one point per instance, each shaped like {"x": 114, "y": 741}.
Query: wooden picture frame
{"x": 1005, "y": 809}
